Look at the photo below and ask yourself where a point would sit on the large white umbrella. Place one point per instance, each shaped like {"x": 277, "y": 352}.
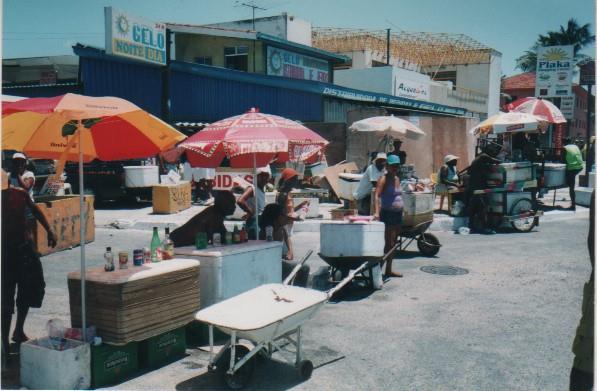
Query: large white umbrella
{"x": 389, "y": 126}
{"x": 510, "y": 123}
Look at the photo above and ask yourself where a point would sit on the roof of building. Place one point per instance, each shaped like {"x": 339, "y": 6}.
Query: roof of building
{"x": 256, "y": 35}
{"x": 520, "y": 81}
{"x": 422, "y": 48}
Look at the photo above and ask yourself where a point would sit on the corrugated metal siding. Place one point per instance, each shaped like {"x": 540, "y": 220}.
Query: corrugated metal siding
{"x": 200, "y": 98}
{"x": 141, "y": 85}
{"x": 334, "y": 110}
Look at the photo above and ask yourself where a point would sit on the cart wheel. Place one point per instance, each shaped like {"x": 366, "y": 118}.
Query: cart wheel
{"x": 241, "y": 377}
{"x": 525, "y": 224}
{"x": 428, "y": 244}
{"x": 305, "y": 369}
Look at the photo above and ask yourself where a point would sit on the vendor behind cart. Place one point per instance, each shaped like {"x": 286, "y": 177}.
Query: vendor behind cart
{"x": 369, "y": 180}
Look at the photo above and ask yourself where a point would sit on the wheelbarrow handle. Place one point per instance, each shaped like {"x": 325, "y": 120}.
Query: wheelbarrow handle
{"x": 290, "y": 277}
{"x": 349, "y": 278}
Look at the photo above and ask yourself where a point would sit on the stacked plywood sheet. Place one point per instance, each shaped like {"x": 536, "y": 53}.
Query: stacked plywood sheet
{"x": 139, "y": 302}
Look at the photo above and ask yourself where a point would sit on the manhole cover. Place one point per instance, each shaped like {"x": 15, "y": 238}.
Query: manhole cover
{"x": 444, "y": 270}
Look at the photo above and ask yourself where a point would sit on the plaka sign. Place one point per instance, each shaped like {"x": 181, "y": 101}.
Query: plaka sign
{"x": 554, "y": 71}
{"x": 134, "y": 37}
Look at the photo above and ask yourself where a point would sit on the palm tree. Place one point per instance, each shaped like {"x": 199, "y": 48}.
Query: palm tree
{"x": 574, "y": 34}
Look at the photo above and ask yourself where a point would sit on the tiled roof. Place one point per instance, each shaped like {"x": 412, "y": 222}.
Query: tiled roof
{"x": 523, "y": 80}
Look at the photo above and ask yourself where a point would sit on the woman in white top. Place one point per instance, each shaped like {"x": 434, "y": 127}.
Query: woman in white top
{"x": 254, "y": 195}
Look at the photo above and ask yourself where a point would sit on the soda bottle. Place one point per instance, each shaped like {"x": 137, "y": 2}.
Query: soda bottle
{"x": 236, "y": 235}
{"x": 155, "y": 246}
{"x": 167, "y": 246}
{"x": 109, "y": 258}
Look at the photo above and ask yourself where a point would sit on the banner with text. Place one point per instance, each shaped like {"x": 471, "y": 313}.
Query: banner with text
{"x": 297, "y": 66}
{"x": 554, "y": 71}
{"x": 411, "y": 89}
{"x": 134, "y": 37}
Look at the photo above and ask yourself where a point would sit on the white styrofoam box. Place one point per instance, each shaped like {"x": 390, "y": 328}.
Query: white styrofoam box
{"x": 418, "y": 203}
{"x": 513, "y": 172}
{"x": 347, "y": 185}
{"x": 43, "y": 368}
{"x": 592, "y": 176}
{"x": 555, "y": 174}
{"x": 313, "y": 206}
{"x": 583, "y": 196}
{"x": 496, "y": 201}
{"x": 229, "y": 270}
{"x": 344, "y": 239}
{"x": 141, "y": 176}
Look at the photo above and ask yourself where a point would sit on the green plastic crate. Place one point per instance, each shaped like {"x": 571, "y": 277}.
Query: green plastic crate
{"x": 163, "y": 349}
{"x": 198, "y": 334}
{"x": 111, "y": 364}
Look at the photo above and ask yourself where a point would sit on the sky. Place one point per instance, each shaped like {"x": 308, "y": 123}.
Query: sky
{"x": 33, "y": 28}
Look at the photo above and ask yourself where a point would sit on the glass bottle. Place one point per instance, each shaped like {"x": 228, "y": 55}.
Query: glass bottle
{"x": 236, "y": 235}
{"x": 167, "y": 245}
{"x": 155, "y": 246}
{"x": 109, "y": 258}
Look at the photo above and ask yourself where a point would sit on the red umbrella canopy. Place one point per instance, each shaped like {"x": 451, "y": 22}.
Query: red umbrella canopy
{"x": 268, "y": 137}
{"x": 539, "y": 107}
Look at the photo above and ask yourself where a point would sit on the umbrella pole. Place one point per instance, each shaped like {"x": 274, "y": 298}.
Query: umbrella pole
{"x": 82, "y": 223}
{"x": 255, "y": 195}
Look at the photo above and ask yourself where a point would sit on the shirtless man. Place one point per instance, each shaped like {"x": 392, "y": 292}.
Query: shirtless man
{"x": 20, "y": 263}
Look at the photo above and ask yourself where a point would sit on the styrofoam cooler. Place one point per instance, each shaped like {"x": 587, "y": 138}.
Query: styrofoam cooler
{"x": 347, "y": 185}
{"x": 44, "y": 368}
{"x": 229, "y": 270}
{"x": 496, "y": 201}
{"x": 513, "y": 172}
{"x": 345, "y": 239}
{"x": 555, "y": 175}
{"x": 141, "y": 176}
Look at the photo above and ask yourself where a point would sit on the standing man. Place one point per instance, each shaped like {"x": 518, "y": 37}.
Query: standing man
{"x": 574, "y": 164}
{"x": 477, "y": 203}
{"x": 368, "y": 182}
{"x": 20, "y": 176}
{"x": 20, "y": 263}
{"x": 399, "y": 152}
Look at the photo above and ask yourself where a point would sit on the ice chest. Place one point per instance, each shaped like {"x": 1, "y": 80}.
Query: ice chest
{"x": 168, "y": 199}
{"x": 512, "y": 172}
{"x": 111, "y": 364}
{"x": 45, "y": 368}
{"x": 162, "y": 349}
{"x": 554, "y": 175}
{"x": 229, "y": 270}
{"x": 503, "y": 202}
{"x": 344, "y": 239}
{"x": 141, "y": 176}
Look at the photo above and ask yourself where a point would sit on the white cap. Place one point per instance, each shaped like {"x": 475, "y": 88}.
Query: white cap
{"x": 19, "y": 155}
{"x": 264, "y": 170}
{"x": 381, "y": 155}
{"x": 449, "y": 158}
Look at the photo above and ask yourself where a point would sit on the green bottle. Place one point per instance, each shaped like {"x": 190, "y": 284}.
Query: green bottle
{"x": 155, "y": 246}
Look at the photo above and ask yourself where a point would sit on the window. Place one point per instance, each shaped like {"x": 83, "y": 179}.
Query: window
{"x": 203, "y": 60}
{"x": 237, "y": 57}
{"x": 444, "y": 76}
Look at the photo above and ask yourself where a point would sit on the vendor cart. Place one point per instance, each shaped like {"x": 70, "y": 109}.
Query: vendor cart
{"x": 417, "y": 218}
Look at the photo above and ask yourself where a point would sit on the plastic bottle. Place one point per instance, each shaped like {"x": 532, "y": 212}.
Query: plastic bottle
{"x": 167, "y": 246}
{"x": 109, "y": 258}
{"x": 155, "y": 246}
{"x": 236, "y": 235}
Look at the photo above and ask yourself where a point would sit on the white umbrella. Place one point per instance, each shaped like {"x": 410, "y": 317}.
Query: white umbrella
{"x": 510, "y": 123}
{"x": 388, "y": 126}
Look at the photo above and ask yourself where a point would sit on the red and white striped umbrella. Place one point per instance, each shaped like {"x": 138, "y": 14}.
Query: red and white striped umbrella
{"x": 539, "y": 107}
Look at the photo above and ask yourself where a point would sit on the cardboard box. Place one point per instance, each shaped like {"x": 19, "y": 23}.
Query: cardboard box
{"x": 163, "y": 349}
{"x": 112, "y": 364}
{"x": 62, "y": 213}
{"x": 171, "y": 198}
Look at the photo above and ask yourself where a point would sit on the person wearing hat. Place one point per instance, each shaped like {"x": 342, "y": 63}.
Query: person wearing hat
{"x": 253, "y": 200}
{"x": 370, "y": 177}
{"x": 289, "y": 179}
{"x": 448, "y": 178}
{"x": 399, "y": 152}
{"x": 21, "y": 266}
{"x": 388, "y": 208}
{"x": 20, "y": 176}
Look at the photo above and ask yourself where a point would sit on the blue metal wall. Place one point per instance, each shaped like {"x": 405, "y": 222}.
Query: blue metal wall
{"x": 42, "y": 91}
{"x": 139, "y": 84}
{"x": 196, "y": 97}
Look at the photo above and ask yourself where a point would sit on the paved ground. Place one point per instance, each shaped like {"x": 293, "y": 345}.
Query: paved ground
{"x": 508, "y": 324}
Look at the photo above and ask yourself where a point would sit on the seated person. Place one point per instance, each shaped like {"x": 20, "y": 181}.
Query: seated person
{"x": 210, "y": 221}
{"x": 273, "y": 215}
{"x": 448, "y": 174}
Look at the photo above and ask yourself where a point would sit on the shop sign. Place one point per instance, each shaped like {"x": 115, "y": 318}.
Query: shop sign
{"x": 227, "y": 178}
{"x": 134, "y": 37}
{"x": 554, "y": 71}
{"x": 296, "y": 66}
{"x": 567, "y": 106}
{"x": 411, "y": 89}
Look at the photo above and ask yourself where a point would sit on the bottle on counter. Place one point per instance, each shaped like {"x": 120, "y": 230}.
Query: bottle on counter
{"x": 156, "y": 251}
{"x": 243, "y": 234}
{"x": 236, "y": 235}
{"x": 228, "y": 237}
{"x": 167, "y": 245}
{"x": 109, "y": 258}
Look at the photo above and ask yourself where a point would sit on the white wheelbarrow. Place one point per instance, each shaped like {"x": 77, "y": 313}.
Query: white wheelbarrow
{"x": 270, "y": 317}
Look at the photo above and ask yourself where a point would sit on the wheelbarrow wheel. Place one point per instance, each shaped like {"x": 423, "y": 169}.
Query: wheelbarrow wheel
{"x": 243, "y": 375}
{"x": 305, "y": 369}
{"x": 428, "y": 244}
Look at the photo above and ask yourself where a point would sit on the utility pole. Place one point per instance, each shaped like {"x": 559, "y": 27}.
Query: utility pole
{"x": 388, "y": 46}
{"x": 253, "y": 7}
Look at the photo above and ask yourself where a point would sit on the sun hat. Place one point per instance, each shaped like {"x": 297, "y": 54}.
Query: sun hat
{"x": 381, "y": 155}
{"x": 393, "y": 160}
{"x": 19, "y": 155}
{"x": 449, "y": 158}
{"x": 288, "y": 173}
